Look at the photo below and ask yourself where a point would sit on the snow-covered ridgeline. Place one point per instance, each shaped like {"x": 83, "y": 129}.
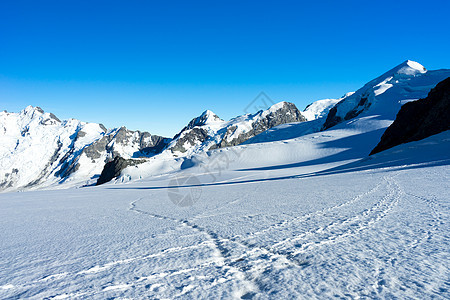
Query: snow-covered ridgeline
{"x": 39, "y": 150}
{"x": 385, "y": 94}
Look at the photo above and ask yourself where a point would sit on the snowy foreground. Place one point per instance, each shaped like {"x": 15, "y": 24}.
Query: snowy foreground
{"x": 325, "y": 227}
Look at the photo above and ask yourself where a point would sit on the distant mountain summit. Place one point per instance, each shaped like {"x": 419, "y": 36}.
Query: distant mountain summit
{"x": 39, "y": 150}
{"x": 407, "y": 81}
{"x": 208, "y": 131}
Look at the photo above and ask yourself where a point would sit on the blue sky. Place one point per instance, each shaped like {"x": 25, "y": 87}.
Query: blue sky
{"x": 155, "y": 65}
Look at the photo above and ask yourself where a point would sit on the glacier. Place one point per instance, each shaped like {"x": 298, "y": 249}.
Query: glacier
{"x": 297, "y": 211}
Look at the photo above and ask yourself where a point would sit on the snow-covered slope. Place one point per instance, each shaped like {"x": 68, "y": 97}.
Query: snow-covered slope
{"x": 321, "y": 229}
{"x": 385, "y": 94}
{"x": 320, "y": 108}
{"x": 39, "y": 150}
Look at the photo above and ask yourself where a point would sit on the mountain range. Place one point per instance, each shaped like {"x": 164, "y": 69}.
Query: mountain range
{"x": 37, "y": 150}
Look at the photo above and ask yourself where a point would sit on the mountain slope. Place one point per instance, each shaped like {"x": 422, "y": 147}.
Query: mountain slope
{"x": 38, "y": 150}
{"x": 383, "y": 95}
{"x": 419, "y": 119}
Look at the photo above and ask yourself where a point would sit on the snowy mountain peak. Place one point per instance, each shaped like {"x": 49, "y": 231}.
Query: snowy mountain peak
{"x": 208, "y": 131}
{"x": 277, "y": 106}
{"x": 31, "y": 108}
{"x": 409, "y": 80}
{"x": 410, "y": 68}
{"x": 32, "y": 111}
{"x": 206, "y": 118}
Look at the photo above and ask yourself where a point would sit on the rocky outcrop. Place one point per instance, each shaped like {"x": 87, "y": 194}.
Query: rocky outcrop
{"x": 286, "y": 113}
{"x": 113, "y": 168}
{"x": 190, "y": 138}
{"x": 110, "y": 146}
{"x": 419, "y": 119}
{"x": 144, "y": 143}
{"x": 207, "y": 117}
{"x": 333, "y": 118}
{"x": 208, "y": 131}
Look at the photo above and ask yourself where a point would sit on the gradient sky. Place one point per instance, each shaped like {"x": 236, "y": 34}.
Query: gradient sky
{"x": 155, "y": 65}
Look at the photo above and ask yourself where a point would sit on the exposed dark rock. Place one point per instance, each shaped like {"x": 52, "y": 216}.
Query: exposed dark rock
{"x": 201, "y": 120}
{"x": 94, "y": 150}
{"x": 148, "y": 144}
{"x": 159, "y": 144}
{"x": 151, "y": 144}
{"x": 81, "y": 134}
{"x": 113, "y": 168}
{"x": 9, "y": 179}
{"x": 333, "y": 119}
{"x": 419, "y": 119}
{"x": 55, "y": 118}
{"x": 194, "y": 136}
{"x": 288, "y": 113}
{"x": 103, "y": 127}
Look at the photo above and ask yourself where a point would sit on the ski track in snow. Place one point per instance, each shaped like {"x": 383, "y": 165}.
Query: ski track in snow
{"x": 244, "y": 261}
{"x": 248, "y": 261}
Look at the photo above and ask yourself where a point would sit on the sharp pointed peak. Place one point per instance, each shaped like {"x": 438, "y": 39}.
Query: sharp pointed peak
{"x": 31, "y": 108}
{"x": 409, "y": 67}
{"x": 206, "y": 117}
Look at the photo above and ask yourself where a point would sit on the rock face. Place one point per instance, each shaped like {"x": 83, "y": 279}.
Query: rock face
{"x": 115, "y": 143}
{"x": 189, "y": 138}
{"x": 419, "y": 119}
{"x": 208, "y": 131}
{"x": 282, "y": 114}
{"x": 113, "y": 168}
{"x": 38, "y": 150}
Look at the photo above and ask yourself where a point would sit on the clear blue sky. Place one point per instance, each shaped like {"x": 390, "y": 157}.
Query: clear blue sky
{"x": 153, "y": 65}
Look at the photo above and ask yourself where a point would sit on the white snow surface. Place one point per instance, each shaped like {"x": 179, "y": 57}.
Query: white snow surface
{"x": 319, "y": 109}
{"x": 326, "y": 226}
